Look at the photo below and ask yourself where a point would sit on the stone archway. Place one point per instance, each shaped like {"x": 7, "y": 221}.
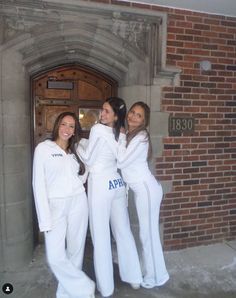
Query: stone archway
{"x": 126, "y": 44}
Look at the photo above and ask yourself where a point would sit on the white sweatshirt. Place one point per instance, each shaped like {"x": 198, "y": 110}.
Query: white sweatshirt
{"x": 100, "y": 152}
{"x": 55, "y": 175}
{"x": 133, "y": 160}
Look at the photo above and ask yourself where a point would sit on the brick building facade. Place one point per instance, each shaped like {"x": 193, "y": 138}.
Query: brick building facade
{"x": 201, "y": 206}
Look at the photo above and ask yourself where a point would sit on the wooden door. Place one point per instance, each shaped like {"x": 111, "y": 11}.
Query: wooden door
{"x": 68, "y": 88}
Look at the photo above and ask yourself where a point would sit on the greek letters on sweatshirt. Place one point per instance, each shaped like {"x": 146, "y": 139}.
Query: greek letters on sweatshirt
{"x": 100, "y": 152}
{"x": 55, "y": 175}
{"x": 133, "y": 160}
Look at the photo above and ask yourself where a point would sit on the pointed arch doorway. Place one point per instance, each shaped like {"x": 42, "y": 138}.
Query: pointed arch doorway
{"x": 68, "y": 88}
{"x": 75, "y": 88}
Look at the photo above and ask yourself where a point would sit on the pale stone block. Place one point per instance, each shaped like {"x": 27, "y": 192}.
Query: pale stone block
{"x": 1, "y": 260}
{"x": 16, "y": 130}
{"x": 18, "y": 221}
{"x": 159, "y": 123}
{"x": 16, "y": 159}
{"x": 155, "y": 98}
{"x": 1, "y": 159}
{"x": 170, "y": 76}
{"x": 14, "y": 89}
{"x": 1, "y": 190}
{"x": 157, "y": 145}
{"x": 17, "y": 254}
{"x": 12, "y": 65}
{"x": 1, "y": 29}
{"x": 149, "y": 94}
{"x": 13, "y": 80}
{"x": 13, "y": 107}
{"x": 21, "y": 189}
{"x": 132, "y": 94}
{"x": 1, "y": 128}
{"x": 138, "y": 73}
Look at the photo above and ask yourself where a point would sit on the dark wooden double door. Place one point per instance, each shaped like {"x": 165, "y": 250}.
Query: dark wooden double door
{"x": 68, "y": 88}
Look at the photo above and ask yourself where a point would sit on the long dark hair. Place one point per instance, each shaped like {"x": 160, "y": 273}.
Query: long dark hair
{"x": 73, "y": 140}
{"x": 119, "y": 107}
{"x": 143, "y": 127}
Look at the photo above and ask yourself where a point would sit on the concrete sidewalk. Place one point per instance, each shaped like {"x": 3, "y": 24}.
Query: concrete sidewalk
{"x": 200, "y": 272}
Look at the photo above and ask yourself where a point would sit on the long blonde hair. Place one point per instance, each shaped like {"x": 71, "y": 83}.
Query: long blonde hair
{"x": 143, "y": 127}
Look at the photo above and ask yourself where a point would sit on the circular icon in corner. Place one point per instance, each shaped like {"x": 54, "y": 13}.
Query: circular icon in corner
{"x": 7, "y": 288}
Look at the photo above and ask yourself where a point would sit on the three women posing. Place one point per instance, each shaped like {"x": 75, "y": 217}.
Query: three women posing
{"x": 61, "y": 202}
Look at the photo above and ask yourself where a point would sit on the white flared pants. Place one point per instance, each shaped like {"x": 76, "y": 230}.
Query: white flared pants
{"x": 65, "y": 246}
{"x": 148, "y": 195}
{"x": 108, "y": 205}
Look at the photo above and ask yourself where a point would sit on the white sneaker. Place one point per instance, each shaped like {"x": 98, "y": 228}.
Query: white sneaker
{"x": 135, "y": 286}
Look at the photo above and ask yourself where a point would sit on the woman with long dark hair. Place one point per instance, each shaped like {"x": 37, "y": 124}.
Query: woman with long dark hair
{"x": 133, "y": 155}
{"x": 107, "y": 200}
{"x": 61, "y": 205}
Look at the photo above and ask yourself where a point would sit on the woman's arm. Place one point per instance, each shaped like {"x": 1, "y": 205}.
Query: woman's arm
{"x": 128, "y": 155}
{"x": 40, "y": 192}
{"x": 88, "y": 151}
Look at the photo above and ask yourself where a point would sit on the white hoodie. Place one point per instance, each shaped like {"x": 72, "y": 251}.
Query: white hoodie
{"x": 133, "y": 160}
{"x": 100, "y": 152}
{"x": 55, "y": 175}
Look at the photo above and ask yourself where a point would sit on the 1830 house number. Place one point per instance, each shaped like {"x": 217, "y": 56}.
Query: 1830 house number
{"x": 179, "y": 125}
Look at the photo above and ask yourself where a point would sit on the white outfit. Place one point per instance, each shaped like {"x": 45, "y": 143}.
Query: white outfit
{"x": 62, "y": 211}
{"x": 148, "y": 195}
{"x": 108, "y": 204}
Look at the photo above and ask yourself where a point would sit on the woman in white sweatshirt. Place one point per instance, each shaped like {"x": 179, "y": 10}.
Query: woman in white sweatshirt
{"x": 133, "y": 154}
{"x": 107, "y": 200}
{"x": 61, "y": 206}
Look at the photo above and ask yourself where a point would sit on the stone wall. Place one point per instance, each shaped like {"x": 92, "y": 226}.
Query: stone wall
{"x": 16, "y": 196}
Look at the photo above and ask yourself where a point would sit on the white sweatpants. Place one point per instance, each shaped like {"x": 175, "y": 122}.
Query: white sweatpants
{"x": 108, "y": 204}
{"x": 65, "y": 246}
{"x": 148, "y": 195}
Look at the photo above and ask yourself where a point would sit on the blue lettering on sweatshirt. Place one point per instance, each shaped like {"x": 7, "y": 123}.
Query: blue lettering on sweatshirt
{"x": 115, "y": 183}
{"x": 57, "y": 154}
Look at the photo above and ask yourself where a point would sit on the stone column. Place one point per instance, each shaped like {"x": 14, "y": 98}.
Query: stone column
{"x": 1, "y": 168}
{"x": 15, "y": 163}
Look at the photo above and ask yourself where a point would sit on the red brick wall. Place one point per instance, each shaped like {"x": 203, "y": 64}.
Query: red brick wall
{"x": 201, "y": 208}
